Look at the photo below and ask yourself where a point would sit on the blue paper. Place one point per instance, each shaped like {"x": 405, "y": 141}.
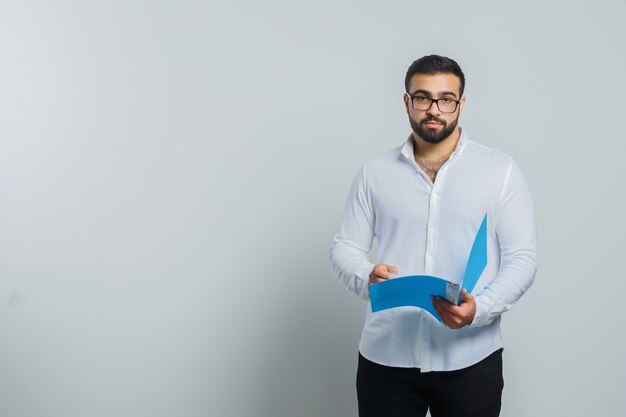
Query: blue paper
{"x": 477, "y": 259}
{"x": 416, "y": 290}
{"x": 412, "y": 291}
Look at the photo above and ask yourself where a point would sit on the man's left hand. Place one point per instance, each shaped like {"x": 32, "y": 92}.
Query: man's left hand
{"x": 455, "y": 316}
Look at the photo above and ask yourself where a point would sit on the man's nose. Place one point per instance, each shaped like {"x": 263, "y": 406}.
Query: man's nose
{"x": 434, "y": 109}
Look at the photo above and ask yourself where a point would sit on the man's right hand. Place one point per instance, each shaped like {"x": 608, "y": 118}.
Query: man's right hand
{"x": 382, "y": 272}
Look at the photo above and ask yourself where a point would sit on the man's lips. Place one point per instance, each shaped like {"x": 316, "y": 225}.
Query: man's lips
{"x": 432, "y": 124}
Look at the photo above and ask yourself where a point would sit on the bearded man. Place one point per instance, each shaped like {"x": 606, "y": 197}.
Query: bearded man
{"x": 424, "y": 201}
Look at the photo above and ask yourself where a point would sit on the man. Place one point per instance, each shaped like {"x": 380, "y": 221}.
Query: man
{"x": 424, "y": 202}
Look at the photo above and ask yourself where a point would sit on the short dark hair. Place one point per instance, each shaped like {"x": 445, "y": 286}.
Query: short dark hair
{"x": 434, "y": 64}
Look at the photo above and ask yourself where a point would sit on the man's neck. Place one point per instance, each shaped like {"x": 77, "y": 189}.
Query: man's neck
{"x": 431, "y": 156}
{"x": 435, "y": 151}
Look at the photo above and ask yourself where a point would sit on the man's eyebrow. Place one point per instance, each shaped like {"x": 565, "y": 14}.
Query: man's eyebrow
{"x": 424, "y": 92}
{"x": 427, "y": 93}
{"x": 447, "y": 93}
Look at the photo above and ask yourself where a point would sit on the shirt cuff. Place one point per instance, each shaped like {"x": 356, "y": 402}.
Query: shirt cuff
{"x": 481, "y": 316}
{"x": 364, "y": 275}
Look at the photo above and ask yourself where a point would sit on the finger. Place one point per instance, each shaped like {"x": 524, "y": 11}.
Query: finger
{"x": 374, "y": 279}
{"x": 466, "y": 297}
{"x": 377, "y": 278}
{"x": 444, "y": 315}
{"x": 437, "y": 306}
{"x": 387, "y": 271}
{"x": 440, "y": 306}
{"x": 378, "y": 271}
{"x": 384, "y": 270}
{"x": 448, "y": 306}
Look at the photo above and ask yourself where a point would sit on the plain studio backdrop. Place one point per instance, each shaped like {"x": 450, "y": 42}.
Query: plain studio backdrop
{"x": 172, "y": 175}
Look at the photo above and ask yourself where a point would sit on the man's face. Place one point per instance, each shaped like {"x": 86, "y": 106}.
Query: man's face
{"x": 433, "y": 125}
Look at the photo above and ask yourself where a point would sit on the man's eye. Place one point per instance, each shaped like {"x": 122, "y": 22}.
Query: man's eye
{"x": 421, "y": 98}
{"x": 446, "y": 100}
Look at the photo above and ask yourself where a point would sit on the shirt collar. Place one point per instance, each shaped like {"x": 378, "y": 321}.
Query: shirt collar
{"x": 407, "y": 148}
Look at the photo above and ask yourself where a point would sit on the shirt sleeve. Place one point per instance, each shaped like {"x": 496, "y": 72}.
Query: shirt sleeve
{"x": 516, "y": 234}
{"x": 349, "y": 253}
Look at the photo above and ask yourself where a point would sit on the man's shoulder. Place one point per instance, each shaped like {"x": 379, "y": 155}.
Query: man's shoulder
{"x": 384, "y": 160}
{"x": 483, "y": 154}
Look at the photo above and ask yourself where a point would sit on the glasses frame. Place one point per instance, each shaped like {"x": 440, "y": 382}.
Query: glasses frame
{"x": 434, "y": 100}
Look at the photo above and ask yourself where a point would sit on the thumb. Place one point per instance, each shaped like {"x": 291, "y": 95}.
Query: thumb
{"x": 466, "y": 297}
{"x": 392, "y": 271}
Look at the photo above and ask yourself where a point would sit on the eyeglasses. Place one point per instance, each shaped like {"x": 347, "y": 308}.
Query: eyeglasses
{"x": 444, "y": 104}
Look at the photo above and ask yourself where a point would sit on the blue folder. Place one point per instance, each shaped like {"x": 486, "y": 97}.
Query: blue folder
{"x": 415, "y": 290}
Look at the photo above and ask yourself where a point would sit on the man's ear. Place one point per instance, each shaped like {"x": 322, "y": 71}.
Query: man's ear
{"x": 461, "y": 104}
{"x": 405, "y": 98}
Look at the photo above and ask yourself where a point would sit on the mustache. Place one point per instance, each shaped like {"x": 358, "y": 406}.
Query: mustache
{"x": 432, "y": 119}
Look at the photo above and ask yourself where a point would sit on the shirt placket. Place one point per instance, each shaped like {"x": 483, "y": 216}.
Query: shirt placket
{"x": 429, "y": 260}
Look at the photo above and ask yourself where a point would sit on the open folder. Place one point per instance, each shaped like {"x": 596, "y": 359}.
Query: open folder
{"x": 415, "y": 290}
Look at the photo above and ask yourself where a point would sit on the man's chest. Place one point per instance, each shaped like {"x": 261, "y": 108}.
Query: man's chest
{"x": 409, "y": 200}
{"x": 431, "y": 166}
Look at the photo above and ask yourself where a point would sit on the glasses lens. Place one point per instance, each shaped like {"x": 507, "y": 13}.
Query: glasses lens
{"x": 447, "y": 105}
{"x": 421, "y": 103}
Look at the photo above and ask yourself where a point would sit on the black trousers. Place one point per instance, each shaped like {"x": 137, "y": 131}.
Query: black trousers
{"x": 475, "y": 391}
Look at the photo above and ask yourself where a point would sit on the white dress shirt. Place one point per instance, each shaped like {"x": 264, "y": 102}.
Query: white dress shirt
{"x": 426, "y": 228}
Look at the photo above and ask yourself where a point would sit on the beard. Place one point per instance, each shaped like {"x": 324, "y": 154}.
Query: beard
{"x": 431, "y": 135}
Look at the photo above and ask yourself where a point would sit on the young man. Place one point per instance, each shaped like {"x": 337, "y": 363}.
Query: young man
{"x": 424, "y": 202}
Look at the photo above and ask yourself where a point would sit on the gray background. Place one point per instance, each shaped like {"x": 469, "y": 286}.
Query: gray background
{"x": 172, "y": 175}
